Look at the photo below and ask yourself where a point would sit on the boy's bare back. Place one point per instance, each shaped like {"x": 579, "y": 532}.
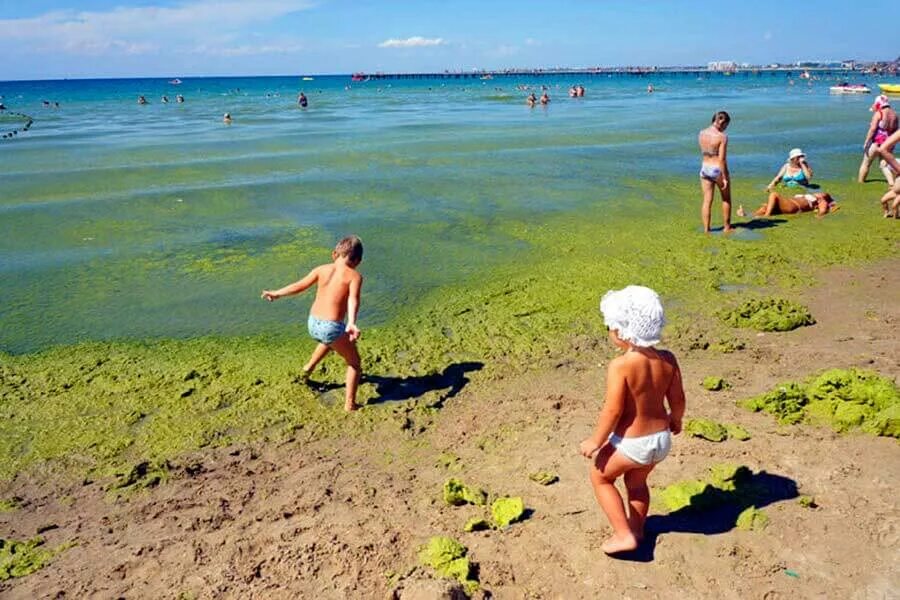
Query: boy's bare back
{"x": 335, "y": 283}
{"x": 648, "y": 377}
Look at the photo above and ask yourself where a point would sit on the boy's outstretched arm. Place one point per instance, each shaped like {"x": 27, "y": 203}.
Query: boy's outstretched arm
{"x": 294, "y": 288}
{"x": 611, "y": 411}
{"x": 353, "y": 308}
{"x": 675, "y": 396}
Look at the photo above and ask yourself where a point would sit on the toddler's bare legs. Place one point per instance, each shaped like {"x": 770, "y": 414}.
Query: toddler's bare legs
{"x": 347, "y": 350}
{"x": 316, "y": 357}
{"x": 606, "y": 468}
{"x": 638, "y": 499}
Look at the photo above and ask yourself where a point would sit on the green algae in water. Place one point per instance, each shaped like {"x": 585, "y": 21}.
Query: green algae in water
{"x": 844, "y": 399}
{"x": 18, "y": 559}
{"x": 456, "y": 493}
{"x": 476, "y": 524}
{"x": 714, "y": 384}
{"x": 706, "y": 429}
{"x": 448, "y": 559}
{"x": 752, "y": 519}
{"x": 506, "y": 511}
{"x": 768, "y": 314}
{"x": 544, "y": 477}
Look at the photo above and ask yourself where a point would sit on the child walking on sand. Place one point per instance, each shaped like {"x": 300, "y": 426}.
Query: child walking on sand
{"x": 634, "y": 430}
{"x": 337, "y": 298}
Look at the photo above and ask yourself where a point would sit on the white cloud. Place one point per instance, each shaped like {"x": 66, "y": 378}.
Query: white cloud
{"x": 416, "y": 41}
{"x": 144, "y": 29}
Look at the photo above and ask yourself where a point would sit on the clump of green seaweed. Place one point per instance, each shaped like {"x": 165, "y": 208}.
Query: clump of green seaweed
{"x": 768, "y": 314}
{"x": 544, "y": 477}
{"x": 476, "y": 524}
{"x": 506, "y": 511}
{"x": 844, "y": 399}
{"x": 456, "y": 493}
{"x": 448, "y": 559}
{"x": 10, "y": 504}
{"x": 714, "y": 384}
{"x": 726, "y": 483}
{"x": 18, "y": 559}
{"x": 712, "y": 431}
{"x": 752, "y": 519}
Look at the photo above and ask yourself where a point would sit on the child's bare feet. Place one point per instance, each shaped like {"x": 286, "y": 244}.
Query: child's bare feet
{"x": 619, "y": 543}
{"x": 351, "y": 406}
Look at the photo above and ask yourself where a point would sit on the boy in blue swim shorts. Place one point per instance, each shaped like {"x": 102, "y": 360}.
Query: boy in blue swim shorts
{"x": 332, "y": 317}
{"x": 634, "y": 430}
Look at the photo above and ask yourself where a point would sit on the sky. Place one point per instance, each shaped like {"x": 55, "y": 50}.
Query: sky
{"x": 50, "y": 39}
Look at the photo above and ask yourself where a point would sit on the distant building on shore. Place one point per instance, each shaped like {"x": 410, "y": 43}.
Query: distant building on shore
{"x": 722, "y": 65}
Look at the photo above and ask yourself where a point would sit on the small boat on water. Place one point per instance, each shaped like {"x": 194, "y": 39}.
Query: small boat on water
{"x": 175, "y": 81}
{"x": 890, "y": 88}
{"x": 848, "y": 88}
{"x": 359, "y": 77}
{"x": 307, "y": 79}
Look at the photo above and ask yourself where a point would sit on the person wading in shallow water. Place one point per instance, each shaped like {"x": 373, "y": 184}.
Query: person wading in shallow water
{"x": 714, "y": 170}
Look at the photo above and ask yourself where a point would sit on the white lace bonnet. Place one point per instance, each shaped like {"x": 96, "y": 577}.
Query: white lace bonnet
{"x": 635, "y": 312}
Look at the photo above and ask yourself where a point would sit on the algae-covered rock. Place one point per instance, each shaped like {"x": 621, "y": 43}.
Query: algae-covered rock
{"x": 714, "y": 384}
{"x": 752, "y": 519}
{"x": 768, "y": 314}
{"x": 507, "y": 510}
{"x": 18, "y": 559}
{"x": 456, "y": 493}
{"x": 448, "y": 559}
{"x": 844, "y": 399}
{"x": 544, "y": 477}
{"x": 706, "y": 429}
{"x": 476, "y": 524}
{"x": 737, "y": 432}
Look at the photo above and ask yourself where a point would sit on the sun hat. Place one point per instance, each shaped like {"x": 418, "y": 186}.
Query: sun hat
{"x": 636, "y": 313}
{"x": 880, "y": 102}
{"x": 795, "y": 153}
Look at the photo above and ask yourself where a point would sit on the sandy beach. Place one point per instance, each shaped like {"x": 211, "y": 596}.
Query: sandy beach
{"x": 342, "y": 516}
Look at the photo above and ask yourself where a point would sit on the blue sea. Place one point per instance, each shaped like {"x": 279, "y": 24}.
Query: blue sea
{"x": 128, "y": 221}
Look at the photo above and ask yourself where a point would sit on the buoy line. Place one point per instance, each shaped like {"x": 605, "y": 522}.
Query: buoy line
{"x": 6, "y": 116}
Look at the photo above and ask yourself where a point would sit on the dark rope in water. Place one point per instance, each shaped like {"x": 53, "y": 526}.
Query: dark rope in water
{"x": 28, "y": 121}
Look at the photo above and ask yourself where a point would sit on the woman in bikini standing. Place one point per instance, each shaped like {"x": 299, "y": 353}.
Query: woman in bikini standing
{"x": 714, "y": 170}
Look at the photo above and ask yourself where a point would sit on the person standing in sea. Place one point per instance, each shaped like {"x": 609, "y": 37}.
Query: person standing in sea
{"x": 714, "y": 170}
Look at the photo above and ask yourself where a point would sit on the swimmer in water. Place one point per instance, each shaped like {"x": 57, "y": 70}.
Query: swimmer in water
{"x": 179, "y": 98}
{"x": 649, "y": 88}
{"x": 545, "y": 99}
{"x": 302, "y": 101}
{"x": 142, "y": 100}
{"x": 165, "y": 99}
{"x": 227, "y": 119}
{"x": 714, "y": 170}
{"x": 531, "y": 100}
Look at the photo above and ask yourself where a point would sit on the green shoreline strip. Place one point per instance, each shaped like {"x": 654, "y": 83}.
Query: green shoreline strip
{"x": 102, "y": 408}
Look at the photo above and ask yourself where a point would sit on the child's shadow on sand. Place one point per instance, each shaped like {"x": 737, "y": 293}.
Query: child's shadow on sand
{"x": 759, "y": 489}
{"x": 393, "y": 389}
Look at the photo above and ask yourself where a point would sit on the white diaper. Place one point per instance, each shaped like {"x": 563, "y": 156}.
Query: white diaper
{"x": 646, "y": 449}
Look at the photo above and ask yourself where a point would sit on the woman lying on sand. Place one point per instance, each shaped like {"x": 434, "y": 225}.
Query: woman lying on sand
{"x": 791, "y": 205}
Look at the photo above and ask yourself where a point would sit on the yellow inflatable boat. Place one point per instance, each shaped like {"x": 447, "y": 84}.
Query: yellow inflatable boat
{"x": 890, "y": 88}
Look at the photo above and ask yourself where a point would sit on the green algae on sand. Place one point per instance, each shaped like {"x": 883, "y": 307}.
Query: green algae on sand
{"x": 844, "y": 399}
{"x": 456, "y": 493}
{"x": 506, "y": 511}
{"x": 712, "y": 431}
{"x": 714, "y": 384}
{"x": 725, "y": 483}
{"x": 448, "y": 559}
{"x": 544, "y": 477}
{"x": 18, "y": 559}
{"x": 768, "y": 314}
{"x": 752, "y": 519}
